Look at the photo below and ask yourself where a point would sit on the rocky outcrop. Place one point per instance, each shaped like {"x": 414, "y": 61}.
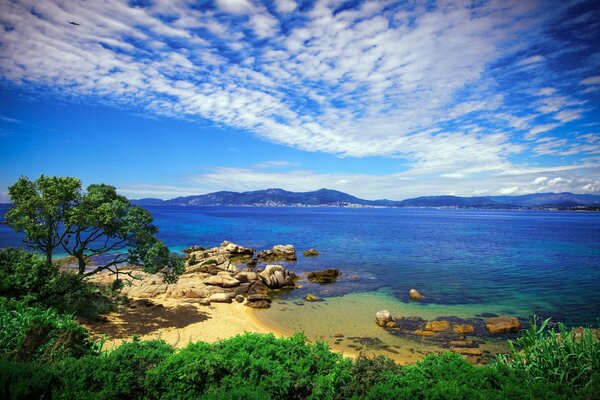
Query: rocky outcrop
{"x": 326, "y": 276}
{"x": 275, "y": 277}
{"x": 502, "y": 324}
{"x": 222, "y": 280}
{"x": 278, "y": 252}
{"x": 311, "y": 253}
{"x": 437, "y": 326}
{"x": 414, "y": 294}
{"x": 383, "y": 317}
{"x": 258, "y": 301}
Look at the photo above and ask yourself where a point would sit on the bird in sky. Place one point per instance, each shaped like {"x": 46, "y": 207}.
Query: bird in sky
{"x": 74, "y": 23}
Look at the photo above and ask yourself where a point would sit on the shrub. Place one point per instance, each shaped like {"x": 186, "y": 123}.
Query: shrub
{"x": 26, "y": 380}
{"x": 35, "y": 334}
{"x": 281, "y": 368}
{"x": 119, "y": 374}
{"x": 28, "y": 277}
{"x": 556, "y": 354}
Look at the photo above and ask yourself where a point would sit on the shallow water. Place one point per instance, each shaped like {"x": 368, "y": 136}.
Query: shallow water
{"x": 465, "y": 262}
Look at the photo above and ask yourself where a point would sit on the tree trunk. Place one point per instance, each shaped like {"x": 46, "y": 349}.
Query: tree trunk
{"x": 82, "y": 264}
{"x": 49, "y": 254}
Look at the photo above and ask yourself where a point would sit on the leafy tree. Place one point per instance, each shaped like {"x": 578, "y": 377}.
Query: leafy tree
{"x": 39, "y": 209}
{"x": 53, "y": 212}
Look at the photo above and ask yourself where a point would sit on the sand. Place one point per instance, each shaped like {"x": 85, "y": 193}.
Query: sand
{"x": 177, "y": 322}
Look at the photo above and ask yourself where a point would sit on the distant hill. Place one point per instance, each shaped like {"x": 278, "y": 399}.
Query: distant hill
{"x": 334, "y": 198}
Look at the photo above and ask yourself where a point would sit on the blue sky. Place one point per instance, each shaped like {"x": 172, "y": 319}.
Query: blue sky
{"x": 380, "y": 99}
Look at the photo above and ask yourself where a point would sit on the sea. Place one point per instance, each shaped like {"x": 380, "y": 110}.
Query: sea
{"x": 465, "y": 262}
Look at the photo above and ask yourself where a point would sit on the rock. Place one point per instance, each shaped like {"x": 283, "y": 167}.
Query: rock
{"x": 502, "y": 325}
{"x": 258, "y": 296}
{"x": 193, "y": 294}
{"x": 383, "y": 317}
{"x": 193, "y": 249}
{"x": 239, "y": 298}
{"x": 437, "y": 326}
{"x": 204, "y": 302}
{"x": 424, "y": 333}
{"x": 234, "y": 250}
{"x": 247, "y": 276}
{"x": 258, "y": 304}
{"x": 391, "y": 324}
{"x": 220, "y": 298}
{"x": 225, "y": 281}
{"x": 414, "y": 294}
{"x": 278, "y": 252}
{"x": 311, "y": 297}
{"x": 338, "y": 335}
{"x": 258, "y": 287}
{"x": 275, "y": 276}
{"x": 326, "y": 276}
{"x": 311, "y": 253}
{"x": 466, "y": 351}
{"x": 463, "y": 328}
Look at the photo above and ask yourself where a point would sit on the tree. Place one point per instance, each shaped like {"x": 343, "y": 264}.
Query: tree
{"x": 99, "y": 222}
{"x": 39, "y": 208}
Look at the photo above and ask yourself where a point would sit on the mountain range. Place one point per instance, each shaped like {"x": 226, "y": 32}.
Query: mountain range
{"x": 334, "y": 198}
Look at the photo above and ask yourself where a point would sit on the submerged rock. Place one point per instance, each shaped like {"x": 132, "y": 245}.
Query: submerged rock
{"x": 502, "y": 324}
{"x": 437, "y": 326}
{"x": 463, "y": 328}
{"x": 383, "y": 317}
{"x": 311, "y": 253}
{"x": 414, "y": 294}
{"x": 328, "y": 275}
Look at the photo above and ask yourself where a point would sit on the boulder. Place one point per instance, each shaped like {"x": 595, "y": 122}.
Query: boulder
{"x": 414, "y": 294}
{"x": 247, "y": 276}
{"x": 193, "y": 249}
{"x": 278, "y": 252}
{"x": 225, "y": 281}
{"x": 383, "y": 317}
{"x": 463, "y": 328}
{"x": 258, "y": 304}
{"x": 275, "y": 276}
{"x": 234, "y": 250}
{"x": 325, "y": 276}
{"x": 424, "y": 333}
{"x": 437, "y": 326}
{"x": 258, "y": 296}
{"x": 311, "y": 297}
{"x": 466, "y": 351}
{"x": 220, "y": 298}
{"x": 311, "y": 253}
{"x": 502, "y": 325}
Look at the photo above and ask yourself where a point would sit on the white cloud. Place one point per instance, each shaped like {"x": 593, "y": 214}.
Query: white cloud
{"x": 592, "y": 80}
{"x": 380, "y": 79}
{"x": 532, "y": 60}
{"x": 285, "y": 6}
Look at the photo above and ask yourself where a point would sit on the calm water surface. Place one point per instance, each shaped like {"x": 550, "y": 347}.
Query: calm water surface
{"x": 464, "y": 261}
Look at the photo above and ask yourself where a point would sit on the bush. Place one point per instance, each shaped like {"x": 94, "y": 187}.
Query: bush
{"x": 281, "y": 368}
{"x": 28, "y": 277}
{"x": 556, "y": 354}
{"x": 35, "y": 334}
{"x": 119, "y": 374}
{"x": 26, "y": 380}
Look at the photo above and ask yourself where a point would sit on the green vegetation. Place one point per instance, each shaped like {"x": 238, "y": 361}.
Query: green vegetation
{"x": 47, "y": 355}
{"x": 53, "y": 212}
{"x": 557, "y": 354}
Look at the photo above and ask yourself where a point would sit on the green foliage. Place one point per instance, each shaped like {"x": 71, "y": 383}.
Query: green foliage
{"x": 556, "y": 354}
{"x": 367, "y": 372}
{"x": 53, "y": 212}
{"x": 282, "y": 368}
{"x": 40, "y": 208}
{"x": 20, "y": 380}
{"x": 28, "y": 277}
{"x": 35, "y": 334}
{"x": 119, "y": 374}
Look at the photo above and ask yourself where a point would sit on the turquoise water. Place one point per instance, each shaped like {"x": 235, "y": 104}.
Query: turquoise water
{"x": 511, "y": 262}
